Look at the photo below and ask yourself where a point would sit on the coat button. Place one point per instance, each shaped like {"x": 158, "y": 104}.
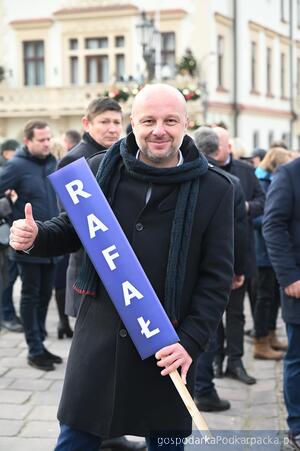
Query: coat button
{"x": 123, "y": 333}
{"x": 139, "y": 227}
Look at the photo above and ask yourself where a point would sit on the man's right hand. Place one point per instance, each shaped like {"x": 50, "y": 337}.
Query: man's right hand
{"x": 293, "y": 290}
{"x": 23, "y": 232}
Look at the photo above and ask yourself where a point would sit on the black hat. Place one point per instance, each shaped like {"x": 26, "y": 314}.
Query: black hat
{"x": 9, "y": 144}
{"x": 259, "y": 153}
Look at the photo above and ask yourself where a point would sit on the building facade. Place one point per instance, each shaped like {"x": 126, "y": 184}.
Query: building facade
{"x": 57, "y": 56}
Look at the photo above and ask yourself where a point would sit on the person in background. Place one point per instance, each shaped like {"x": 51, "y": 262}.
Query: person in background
{"x": 257, "y": 156}
{"x": 266, "y": 345}
{"x": 71, "y": 139}
{"x": 254, "y": 203}
{"x": 281, "y": 230}
{"x": 26, "y": 173}
{"x": 11, "y": 321}
{"x": 207, "y": 398}
{"x": 103, "y": 126}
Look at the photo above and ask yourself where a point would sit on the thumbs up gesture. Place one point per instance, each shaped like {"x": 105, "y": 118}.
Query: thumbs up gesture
{"x": 23, "y": 232}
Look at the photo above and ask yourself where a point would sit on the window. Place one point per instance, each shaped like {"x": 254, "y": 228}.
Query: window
{"x": 269, "y": 71}
{"x": 96, "y": 43}
{"x": 120, "y": 67}
{"x": 119, "y": 41}
{"x": 34, "y": 63}
{"x": 282, "y": 75}
{"x": 253, "y": 65}
{"x": 255, "y": 139}
{"x": 97, "y": 69}
{"x": 298, "y": 13}
{"x": 74, "y": 70}
{"x": 270, "y": 137}
{"x": 298, "y": 76}
{"x": 73, "y": 44}
{"x": 286, "y": 138}
{"x": 168, "y": 57}
{"x": 283, "y": 10}
{"x": 220, "y": 61}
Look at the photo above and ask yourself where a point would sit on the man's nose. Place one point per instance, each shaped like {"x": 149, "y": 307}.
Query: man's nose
{"x": 159, "y": 129}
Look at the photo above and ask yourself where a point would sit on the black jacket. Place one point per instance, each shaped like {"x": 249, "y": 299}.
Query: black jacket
{"x": 28, "y": 176}
{"x": 281, "y": 230}
{"x": 240, "y": 222}
{"x": 108, "y": 389}
{"x": 255, "y": 197}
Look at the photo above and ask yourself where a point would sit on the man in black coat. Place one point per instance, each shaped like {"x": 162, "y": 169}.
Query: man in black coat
{"x": 281, "y": 230}
{"x": 255, "y": 198}
{"x": 103, "y": 125}
{"x": 207, "y": 398}
{"x": 158, "y": 186}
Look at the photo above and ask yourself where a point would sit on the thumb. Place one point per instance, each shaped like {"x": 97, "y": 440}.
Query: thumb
{"x": 28, "y": 213}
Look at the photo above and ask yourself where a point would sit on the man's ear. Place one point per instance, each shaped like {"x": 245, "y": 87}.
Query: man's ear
{"x": 85, "y": 123}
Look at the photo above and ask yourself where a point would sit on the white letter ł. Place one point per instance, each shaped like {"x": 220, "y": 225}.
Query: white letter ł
{"x": 145, "y": 328}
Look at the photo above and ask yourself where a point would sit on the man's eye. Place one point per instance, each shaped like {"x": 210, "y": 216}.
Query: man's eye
{"x": 171, "y": 121}
{"x": 148, "y": 122}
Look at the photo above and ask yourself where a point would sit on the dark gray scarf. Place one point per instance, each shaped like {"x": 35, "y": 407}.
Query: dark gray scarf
{"x": 187, "y": 177}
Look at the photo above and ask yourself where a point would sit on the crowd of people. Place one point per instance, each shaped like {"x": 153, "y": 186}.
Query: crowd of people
{"x": 201, "y": 257}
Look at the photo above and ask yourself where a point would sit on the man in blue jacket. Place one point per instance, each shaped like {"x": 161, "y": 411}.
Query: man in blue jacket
{"x": 282, "y": 234}
{"x": 26, "y": 173}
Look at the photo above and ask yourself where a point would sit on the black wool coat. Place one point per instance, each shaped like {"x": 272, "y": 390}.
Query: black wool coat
{"x": 281, "y": 230}
{"x": 255, "y": 197}
{"x": 108, "y": 390}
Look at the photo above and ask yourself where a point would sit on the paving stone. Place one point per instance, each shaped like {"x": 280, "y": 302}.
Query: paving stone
{"x": 5, "y": 381}
{"x": 42, "y": 413}
{"x": 263, "y": 397}
{"x": 14, "y": 396}
{"x": 3, "y": 370}
{"x": 49, "y": 429}
{"x": 9, "y": 352}
{"x": 14, "y": 412}
{"x": 26, "y": 444}
{"x": 45, "y": 398}
{"x": 13, "y": 362}
{"x": 30, "y": 384}
{"x": 10, "y": 427}
{"x": 25, "y": 373}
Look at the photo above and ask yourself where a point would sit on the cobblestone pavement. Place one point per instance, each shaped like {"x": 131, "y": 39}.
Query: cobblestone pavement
{"x": 29, "y": 397}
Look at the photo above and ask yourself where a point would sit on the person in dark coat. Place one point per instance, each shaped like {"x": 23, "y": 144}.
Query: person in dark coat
{"x": 207, "y": 398}
{"x": 266, "y": 345}
{"x": 255, "y": 198}
{"x": 11, "y": 320}
{"x": 281, "y": 230}
{"x": 151, "y": 178}
{"x": 103, "y": 125}
{"x": 26, "y": 173}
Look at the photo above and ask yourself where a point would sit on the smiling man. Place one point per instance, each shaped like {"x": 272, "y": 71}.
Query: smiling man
{"x": 175, "y": 211}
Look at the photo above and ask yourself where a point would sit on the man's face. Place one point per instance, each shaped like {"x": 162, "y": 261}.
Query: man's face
{"x": 39, "y": 145}
{"x": 224, "y": 149}
{"x": 159, "y": 123}
{"x": 105, "y": 128}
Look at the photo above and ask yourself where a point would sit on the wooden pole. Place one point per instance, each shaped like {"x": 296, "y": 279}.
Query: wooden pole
{"x": 197, "y": 417}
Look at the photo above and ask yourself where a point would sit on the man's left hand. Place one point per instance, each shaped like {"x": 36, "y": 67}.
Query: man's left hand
{"x": 172, "y": 357}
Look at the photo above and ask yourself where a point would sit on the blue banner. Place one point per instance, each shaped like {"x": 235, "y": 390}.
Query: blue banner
{"x": 113, "y": 258}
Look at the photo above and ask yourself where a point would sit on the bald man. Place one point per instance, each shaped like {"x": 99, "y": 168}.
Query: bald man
{"x": 175, "y": 211}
